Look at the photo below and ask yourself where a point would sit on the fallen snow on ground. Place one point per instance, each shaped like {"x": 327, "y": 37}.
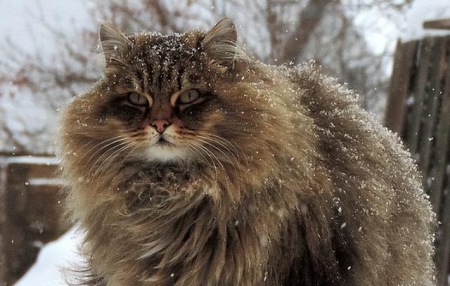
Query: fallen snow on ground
{"x": 54, "y": 261}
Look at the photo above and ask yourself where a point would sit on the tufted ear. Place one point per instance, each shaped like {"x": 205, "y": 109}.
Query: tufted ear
{"x": 220, "y": 43}
{"x": 114, "y": 44}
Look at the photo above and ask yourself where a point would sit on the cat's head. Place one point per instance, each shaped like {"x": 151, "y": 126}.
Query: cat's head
{"x": 165, "y": 98}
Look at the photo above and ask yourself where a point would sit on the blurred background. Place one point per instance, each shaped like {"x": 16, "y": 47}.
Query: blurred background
{"x": 49, "y": 49}
{"x": 49, "y": 53}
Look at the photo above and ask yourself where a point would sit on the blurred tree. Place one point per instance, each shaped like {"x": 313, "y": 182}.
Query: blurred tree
{"x": 274, "y": 31}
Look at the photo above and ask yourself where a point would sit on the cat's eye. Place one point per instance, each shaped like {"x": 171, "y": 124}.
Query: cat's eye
{"x": 137, "y": 99}
{"x": 189, "y": 96}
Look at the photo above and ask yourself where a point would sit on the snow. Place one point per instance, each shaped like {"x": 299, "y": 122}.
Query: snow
{"x": 45, "y": 182}
{"x": 53, "y": 264}
{"x": 15, "y": 23}
{"x": 37, "y": 160}
{"x": 425, "y": 10}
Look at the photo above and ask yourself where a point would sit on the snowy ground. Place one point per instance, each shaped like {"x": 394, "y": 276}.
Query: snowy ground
{"x": 54, "y": 261}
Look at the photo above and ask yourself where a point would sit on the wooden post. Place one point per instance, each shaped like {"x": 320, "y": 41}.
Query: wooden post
{"x": 432, "y": 100}
{"x": 3, "y": 259}
{"x": 442, "y": 24}
{"x": 418, "y": 94}
{"x": 435, "y": 154}
{"x": 30, "y": 214}
{"x": 418, "y": 108}
{"x": 398, "y": 88}
{"x": 439, "y": 170}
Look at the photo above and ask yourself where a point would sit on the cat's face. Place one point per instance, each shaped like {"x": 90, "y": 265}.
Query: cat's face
{"x": 165, "y": 98}
{"x": 159, "y": 98}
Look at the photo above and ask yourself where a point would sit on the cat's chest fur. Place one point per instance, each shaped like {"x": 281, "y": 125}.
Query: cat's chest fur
{"x": 177, "y": 232}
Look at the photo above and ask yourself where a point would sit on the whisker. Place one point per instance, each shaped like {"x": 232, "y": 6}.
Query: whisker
{"x": 225, "y": 147}
{"x": 108, "y": 160}
{"x": 226, "y": 142}
{"x": 216, "y": 148}
{"x": 112, "y": 149}
{"x": 230, "y": 146}
{"x": 194, "y": 149}
{"x": 209, "y": 153}
{"x": 99, "y": 143}
{"x": 130, "y": 152}
{"x": 107, "y": 143}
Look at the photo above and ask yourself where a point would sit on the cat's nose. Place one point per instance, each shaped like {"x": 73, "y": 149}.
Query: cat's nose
{"x": 160, "y": 125}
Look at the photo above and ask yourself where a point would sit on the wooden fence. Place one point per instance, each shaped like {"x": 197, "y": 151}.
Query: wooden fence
{"x": 418, "y": 109}
{"x": 30, "y": 212}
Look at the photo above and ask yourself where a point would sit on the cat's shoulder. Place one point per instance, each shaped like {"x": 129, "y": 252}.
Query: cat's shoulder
{"x": 316, "y": 88}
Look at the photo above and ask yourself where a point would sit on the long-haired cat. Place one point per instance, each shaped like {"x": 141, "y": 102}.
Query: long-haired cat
{"x": 190, "y": 163}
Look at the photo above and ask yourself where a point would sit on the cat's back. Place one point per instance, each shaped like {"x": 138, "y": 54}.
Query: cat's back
{"x": 377, "y": 193}
{"x": 350, "y": 137}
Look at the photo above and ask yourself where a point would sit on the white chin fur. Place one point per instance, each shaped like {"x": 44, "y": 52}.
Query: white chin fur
{"x": 165, "y": 153}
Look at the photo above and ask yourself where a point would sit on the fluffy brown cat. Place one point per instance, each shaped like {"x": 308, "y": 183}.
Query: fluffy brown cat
{"x": 190, "y": 163}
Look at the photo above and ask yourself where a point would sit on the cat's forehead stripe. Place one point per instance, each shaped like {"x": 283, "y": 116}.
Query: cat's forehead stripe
{"x": 163, "y": 62}
{"x": 176, "y": 43}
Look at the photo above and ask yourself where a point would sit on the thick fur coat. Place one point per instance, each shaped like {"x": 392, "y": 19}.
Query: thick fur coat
{"x": 262, "y": 176}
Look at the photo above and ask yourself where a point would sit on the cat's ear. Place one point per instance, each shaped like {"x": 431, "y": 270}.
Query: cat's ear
{"x": 114, "y": 44}
{"x": 220, "y": 44}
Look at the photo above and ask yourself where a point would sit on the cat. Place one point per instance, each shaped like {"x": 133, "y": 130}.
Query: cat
{"x": 191, "y": 163}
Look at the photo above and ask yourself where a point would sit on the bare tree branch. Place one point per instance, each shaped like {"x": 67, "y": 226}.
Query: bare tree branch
{"x": 309, "y": 18}
{"x": 276, "y": 31}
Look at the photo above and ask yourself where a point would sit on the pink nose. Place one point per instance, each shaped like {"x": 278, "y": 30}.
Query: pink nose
{"x": 160, "y": 125}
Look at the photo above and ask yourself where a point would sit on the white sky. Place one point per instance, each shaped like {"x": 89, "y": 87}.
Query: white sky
{"x": 16, "y": 20}
{"x": 16, "y": 17}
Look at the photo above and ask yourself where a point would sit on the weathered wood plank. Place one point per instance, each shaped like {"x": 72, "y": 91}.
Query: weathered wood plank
{"x": 418, "y": 93}
{"x": 442, "y": 140}
{"x": 399, "y": 86}
{"x": 3, "y": 222}
{"x": 442, "y": 24}
{"x": 15, "y": 237}
{"x": 442, "y": 209}
{"x": 432, "y": 96}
